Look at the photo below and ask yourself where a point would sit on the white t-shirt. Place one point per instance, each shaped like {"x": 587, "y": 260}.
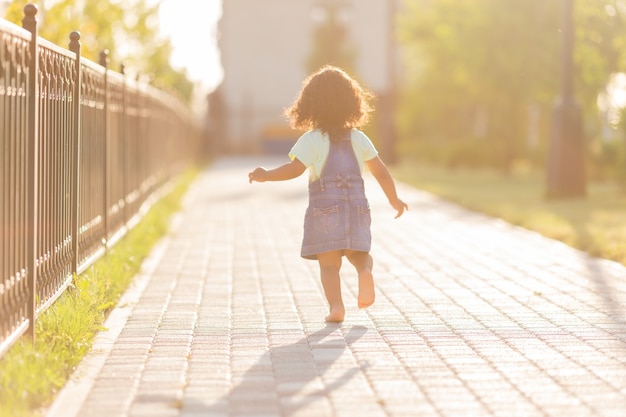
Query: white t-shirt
{"x": 312, "y": 150}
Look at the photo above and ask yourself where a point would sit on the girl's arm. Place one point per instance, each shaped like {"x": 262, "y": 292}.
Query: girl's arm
{"x": 284, "y": 172}
{"x": 383, "y": 176}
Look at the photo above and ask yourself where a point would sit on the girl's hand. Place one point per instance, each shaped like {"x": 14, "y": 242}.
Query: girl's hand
{"x": 400, "y": 206}
{"x": 284, "y": 172}
{"x": 258, "y": 175}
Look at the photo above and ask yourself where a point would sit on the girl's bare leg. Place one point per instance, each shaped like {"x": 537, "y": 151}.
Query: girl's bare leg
{"x": 363, "y": 263}
{"x": 330, "y": 264}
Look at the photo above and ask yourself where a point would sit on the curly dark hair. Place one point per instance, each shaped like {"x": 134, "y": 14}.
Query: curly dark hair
{"x": 331, "y": 101}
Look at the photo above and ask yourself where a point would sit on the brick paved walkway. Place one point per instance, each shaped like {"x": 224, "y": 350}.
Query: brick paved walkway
{"x": 474, "y": 317}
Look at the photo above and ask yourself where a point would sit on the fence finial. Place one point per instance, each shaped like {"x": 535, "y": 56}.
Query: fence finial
{"x": 104, "y": 58}
{"x": 29, "y": 22}
{"x": 75, "y": 41}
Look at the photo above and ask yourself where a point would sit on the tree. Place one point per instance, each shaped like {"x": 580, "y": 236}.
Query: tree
{"x": 477, "y": 66}
{"x": 331, "y": 40}
{"x": 128, "y": 29}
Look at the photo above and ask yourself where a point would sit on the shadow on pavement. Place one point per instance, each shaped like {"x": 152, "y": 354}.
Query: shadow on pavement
{"x": 287, "y": 378}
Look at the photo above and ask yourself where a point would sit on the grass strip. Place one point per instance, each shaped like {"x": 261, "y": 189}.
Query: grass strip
{"x": 594, "y": 224}
{"x": 30, "y": 375}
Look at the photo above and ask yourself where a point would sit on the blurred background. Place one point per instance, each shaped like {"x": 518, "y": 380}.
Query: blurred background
{"x": 459, "y": 82}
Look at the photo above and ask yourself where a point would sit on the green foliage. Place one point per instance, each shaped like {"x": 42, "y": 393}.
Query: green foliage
{"x": 599, "y": 50}
{"x": 128, "y": 29}
{"x": 607, "y": 160}
{"x": 30, "y": 374}
{"x": 475, "y": 68}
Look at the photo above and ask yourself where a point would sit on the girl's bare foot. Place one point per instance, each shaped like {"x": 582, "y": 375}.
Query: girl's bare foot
{"x": 336, "y": 315}
{"x": 366, "y": 285}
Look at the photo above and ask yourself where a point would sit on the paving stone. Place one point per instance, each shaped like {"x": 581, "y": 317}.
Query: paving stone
{"x": 473, "y": 317}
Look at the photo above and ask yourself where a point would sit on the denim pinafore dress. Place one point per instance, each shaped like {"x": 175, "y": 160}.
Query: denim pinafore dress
{"x": 338, "y": 216}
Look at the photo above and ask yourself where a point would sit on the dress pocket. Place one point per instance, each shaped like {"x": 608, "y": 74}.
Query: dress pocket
{"x": 364, "y": 217}
{"x": 326, "y": 219}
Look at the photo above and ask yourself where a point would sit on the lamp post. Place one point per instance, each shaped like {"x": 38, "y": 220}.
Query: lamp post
{"x": 566, "y": 176}
{"x": 388, "y": 102}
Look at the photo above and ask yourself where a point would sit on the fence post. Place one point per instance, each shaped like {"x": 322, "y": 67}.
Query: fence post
{"x": 29, "y": 22}
{"x": 75, "y": 47}
{"x": 122, "y": 139}
{"x": 104, "y": 61}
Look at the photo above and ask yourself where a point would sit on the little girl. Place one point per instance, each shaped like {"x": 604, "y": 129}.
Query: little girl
{"x": 331, "y": 106}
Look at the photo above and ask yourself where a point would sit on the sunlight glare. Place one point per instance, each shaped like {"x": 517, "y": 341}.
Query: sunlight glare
{"x": 192, "y": 27}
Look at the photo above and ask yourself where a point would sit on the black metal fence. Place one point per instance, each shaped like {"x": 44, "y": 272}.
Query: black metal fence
{"x": 82, "y": 149}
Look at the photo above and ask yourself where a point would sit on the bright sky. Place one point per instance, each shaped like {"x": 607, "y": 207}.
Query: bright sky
{"x": 192, "y": 27}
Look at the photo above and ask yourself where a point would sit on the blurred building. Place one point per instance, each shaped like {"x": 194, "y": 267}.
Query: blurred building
{"x": 265, "y": 46}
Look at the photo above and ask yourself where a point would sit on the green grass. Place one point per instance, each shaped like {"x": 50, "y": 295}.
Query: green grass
{"x": 594, "y": 224}
{"x": 30, "y": 375}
